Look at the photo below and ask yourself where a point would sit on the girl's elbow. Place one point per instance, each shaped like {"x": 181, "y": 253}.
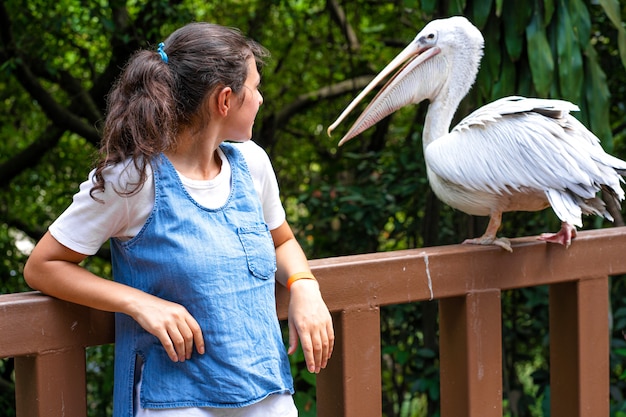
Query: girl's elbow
{"x": 30, "y": 276}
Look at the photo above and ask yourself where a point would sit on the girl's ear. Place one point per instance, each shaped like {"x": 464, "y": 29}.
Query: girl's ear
{"x": 223, "y": 100}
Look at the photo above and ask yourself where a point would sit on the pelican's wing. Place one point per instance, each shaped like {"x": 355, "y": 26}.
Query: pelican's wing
{"x": 518, "y": 144}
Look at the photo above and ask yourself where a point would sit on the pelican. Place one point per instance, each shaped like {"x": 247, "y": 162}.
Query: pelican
{"x": 515, "y": 154}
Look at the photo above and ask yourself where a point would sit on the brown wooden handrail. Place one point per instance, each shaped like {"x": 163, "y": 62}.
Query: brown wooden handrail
{"x": 47, "y": 337}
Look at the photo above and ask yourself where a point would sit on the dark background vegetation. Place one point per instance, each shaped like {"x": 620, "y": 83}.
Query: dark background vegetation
{"x": 58, "y": 60}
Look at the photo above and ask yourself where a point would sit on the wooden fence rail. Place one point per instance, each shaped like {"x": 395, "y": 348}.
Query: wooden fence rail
{"x": 47, "y": 337}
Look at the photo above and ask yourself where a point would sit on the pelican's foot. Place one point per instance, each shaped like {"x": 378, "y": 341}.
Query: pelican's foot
{"x": 502, "y": 242}
{"x": 563, "y": 236}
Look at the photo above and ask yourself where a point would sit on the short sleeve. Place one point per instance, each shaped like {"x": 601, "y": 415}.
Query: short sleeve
{"x": 87, "y": 223}
{"x": 265, "y": 183}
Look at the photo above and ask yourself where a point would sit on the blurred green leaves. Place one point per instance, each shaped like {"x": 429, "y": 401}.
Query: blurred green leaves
{"x": 540, "y": 55}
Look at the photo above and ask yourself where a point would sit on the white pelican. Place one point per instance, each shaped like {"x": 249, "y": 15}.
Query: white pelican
{"x": 515, "y": 154}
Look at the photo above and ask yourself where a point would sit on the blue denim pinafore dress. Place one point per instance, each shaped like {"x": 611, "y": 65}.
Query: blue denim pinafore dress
{"x": 219, "y": 264}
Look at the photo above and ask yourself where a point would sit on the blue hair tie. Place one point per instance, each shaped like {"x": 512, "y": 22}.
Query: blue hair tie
{"x": 162, "y": 52}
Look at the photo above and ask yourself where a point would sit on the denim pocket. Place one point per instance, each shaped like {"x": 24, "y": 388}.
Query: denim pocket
{"x": 260, "y": 252}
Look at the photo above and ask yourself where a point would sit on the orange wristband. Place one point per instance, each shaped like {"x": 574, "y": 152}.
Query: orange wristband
{"x": 297, "y": 276}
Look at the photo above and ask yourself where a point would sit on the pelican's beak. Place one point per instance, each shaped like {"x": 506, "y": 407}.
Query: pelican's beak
{"x": 403, "y": 88}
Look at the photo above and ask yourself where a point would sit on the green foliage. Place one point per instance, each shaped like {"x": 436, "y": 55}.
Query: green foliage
{"x": 541, "y": 62}
{"x": 100, "y": 380}
{"x": 304, "y": 384}
{"x": 612, "y": 10}
{"x": 410, "y": 374}
{"x": 370, "y": 195}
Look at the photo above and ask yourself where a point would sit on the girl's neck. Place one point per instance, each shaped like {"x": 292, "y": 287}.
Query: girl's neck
{"x": 196, "y": 156}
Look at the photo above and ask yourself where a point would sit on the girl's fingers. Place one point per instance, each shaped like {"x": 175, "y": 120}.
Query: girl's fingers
{"x": 317, "y": 349}
{"x": 178, "y": 333}
{"x": 184, "y": 346}
{"x": 326, "y": 348}
{"x": 168, "y": 345}
{"x": 309, "y": 354}
{"x": 318, "y": 352}
{"x": 293, "y": 338}
{"x": 331, "y": 343}
{"x": 196, "y": 336}
{"x": 183, "y": 337}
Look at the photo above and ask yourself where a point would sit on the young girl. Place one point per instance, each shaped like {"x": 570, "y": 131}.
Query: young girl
{"x": 198, "y": 238}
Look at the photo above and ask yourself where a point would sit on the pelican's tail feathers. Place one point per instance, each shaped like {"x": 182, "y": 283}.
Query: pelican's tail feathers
{"x": 565, "y": 206}
{"x": 609, "y": 191}
{"x": 595, "y": 206}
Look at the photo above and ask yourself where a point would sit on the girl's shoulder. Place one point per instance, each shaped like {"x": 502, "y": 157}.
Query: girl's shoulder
{"x": 93, "y": 218}
{"x": 256, "y": 158}
{"x": 123, "y": 177}
{"x": 251, "y": 150}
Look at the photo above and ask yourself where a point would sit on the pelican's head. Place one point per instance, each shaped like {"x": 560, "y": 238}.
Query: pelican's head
{"x": 441, "y": 62}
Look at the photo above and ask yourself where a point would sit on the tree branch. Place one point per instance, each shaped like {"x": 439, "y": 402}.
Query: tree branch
{"x": 308, "y": 99}
{"x": 82, "y": 102}
{"x": 30, "y": 156}
{"x": 271, "y": 122}
{"x": 339, "y": 16}
{"x": 58, "y": 114}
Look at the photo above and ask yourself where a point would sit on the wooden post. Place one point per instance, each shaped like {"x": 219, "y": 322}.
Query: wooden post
{"x": 51, "y": 384}
{"x": 579, "y": 348}
{"x": 470, "y": 351}
{"x": 350, "y": 386}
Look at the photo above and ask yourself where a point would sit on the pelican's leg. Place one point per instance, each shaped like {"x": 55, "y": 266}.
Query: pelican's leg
{"x": 563, "y": 236}
{"x": 489, "y": 237}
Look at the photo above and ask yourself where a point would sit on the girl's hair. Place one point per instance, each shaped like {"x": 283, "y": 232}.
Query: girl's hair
{"x": 155, "y": 97}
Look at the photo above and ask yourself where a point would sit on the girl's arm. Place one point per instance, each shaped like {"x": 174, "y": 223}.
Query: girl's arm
{"x": 54, "y": 269}
{"x": 308, "y": 316}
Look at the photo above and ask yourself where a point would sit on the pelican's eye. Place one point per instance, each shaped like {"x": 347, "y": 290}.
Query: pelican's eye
{"x": 432, "y": 36}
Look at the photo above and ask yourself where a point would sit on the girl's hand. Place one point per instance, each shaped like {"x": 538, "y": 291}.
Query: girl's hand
{"x": 310, "y": 320}
{"x": 54, "y": 270}
{"x": 172, "y": 324}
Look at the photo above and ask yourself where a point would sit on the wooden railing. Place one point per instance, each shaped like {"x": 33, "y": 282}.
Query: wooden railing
{"x": 47, "y": 337}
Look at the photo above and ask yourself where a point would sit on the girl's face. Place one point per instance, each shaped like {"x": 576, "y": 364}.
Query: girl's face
{"x": 246, "y": 107}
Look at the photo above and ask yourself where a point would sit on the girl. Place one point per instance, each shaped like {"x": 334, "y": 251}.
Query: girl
{"x": 198, "y": 236}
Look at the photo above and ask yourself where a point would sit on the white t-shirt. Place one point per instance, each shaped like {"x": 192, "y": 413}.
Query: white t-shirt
{"x": 87, "y": 224}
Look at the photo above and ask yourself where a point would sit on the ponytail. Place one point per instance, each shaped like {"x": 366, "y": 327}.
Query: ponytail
{"x": 141, "y": 115}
